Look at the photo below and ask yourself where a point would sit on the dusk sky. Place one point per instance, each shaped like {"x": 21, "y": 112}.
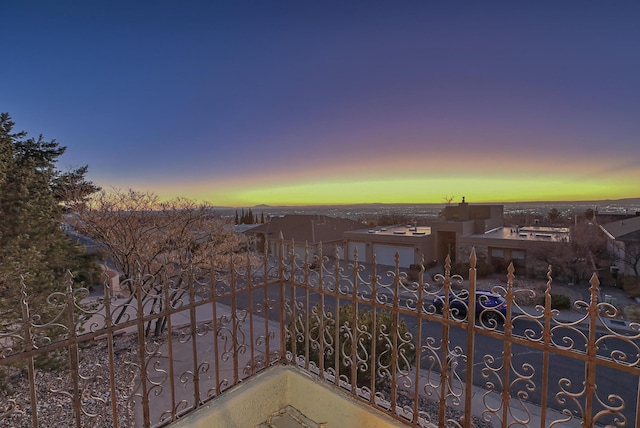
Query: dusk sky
{"x": 333, "y": 102}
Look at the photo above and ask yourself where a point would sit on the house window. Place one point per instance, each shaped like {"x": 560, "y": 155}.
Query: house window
{"x": 517, "y": 258}
{"x": 497, "y": 259}
{"x": 517, "y": 254}
{"x": 497, "y": 253}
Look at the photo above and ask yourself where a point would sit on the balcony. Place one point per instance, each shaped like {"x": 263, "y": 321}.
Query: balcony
{"x": 314, "y": 342}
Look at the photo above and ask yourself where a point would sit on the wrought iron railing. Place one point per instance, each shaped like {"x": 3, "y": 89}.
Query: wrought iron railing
{"x": 159, "y": 352}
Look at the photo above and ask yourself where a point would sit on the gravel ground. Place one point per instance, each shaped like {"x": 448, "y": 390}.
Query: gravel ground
{"x": 432, "y": 408}
{"x": 54, "y": 389}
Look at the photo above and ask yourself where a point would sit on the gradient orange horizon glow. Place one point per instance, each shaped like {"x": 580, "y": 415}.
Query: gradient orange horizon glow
{"x": 411, "y": 180}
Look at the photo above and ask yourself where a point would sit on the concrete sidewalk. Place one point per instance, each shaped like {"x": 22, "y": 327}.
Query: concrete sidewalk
{"x": 488, "y": 404}
{"x": 581, "y": 320}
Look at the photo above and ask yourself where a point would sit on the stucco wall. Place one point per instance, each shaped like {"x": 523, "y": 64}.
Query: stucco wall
{"x": 250, "y": 403}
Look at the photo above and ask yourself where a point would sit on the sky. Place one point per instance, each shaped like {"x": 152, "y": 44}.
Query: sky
{"x": 238, "y": 103}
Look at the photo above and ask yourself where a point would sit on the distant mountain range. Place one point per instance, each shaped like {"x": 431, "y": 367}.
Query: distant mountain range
{"x": 431, "y": 209}
{"x": 601, "y": 202}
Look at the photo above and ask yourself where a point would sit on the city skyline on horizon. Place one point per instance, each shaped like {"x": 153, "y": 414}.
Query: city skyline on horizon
{"x": 455, "y": 200}
{"x": 569, "y": 210}
{"x": 296, "y": 104}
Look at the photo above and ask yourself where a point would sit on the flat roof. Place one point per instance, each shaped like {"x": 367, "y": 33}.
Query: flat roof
{"x": 407, "y": 230}
{"x": 528, "y": 233}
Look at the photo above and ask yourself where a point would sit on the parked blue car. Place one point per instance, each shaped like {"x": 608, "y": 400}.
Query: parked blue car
{"x": 489, "y": 306}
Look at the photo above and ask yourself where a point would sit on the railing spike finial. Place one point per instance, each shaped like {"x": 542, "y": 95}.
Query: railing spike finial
{"x": 68, "y": 281}
{"x": 511, "y": 272}
{"x": 421, "y": 281}
{"x": 24, "y": 303}
{"x": 447, "y": 265}
{"x": 473, "y": 259}
{"x": 547, "y": 290}
{"x": 594, "y": 289}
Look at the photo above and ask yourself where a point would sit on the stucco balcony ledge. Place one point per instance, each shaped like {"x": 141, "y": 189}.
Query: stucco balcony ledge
{"x": 252, "y": 402}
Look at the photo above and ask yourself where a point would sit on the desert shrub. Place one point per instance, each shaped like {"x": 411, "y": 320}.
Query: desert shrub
{"x": 499, "y": 266}
{"x": 364, "y": 333}
{"x": 632, "y": 313}
{"x": 483, "y": 269}
{"x": 55, "y": 361}
{"x": 431, "y": 264}
{"x": 631, "y": 286}
{"x": 523, "y": 297}
{"x": 414, "y": 271}
{"x": 560, "y": 301}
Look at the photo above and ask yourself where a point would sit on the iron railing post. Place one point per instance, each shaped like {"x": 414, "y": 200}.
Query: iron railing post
{"x": 444, "y": 349}
{"x": 266, "y": 306}
{"x": 234, "y": 320}
{"x": 418, "y": 344}
{"x": 546, "y": 340}
{"x": 29, "y": 346}
{"x": 167, "y": 311}
{"x": 321, "y": 321}
{"x": 193, "y": 320}
{"x": 374, "y": 331}
{"x": 592, "y": 351}
{"x": 109, "y": 327}
{"x": 354, "y": 330}
{"x": 215, "y": 327}
{"x": 506, "y": 353}
{"x": 394, "y": 334}
{"x": 140, "y": 319}
{"x": 471, "y": 316}
{"x": 73, "y": 350}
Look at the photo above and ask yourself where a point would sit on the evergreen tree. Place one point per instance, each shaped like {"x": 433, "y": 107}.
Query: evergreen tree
{"x": 32, "y": 241}
{"x": 248, "y": 217}
{"x": 236, "y": 220}
{"x": 554, "y": 215}
{"x": 262, "y": 217}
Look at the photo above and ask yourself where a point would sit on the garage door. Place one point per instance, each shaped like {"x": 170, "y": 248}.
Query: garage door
{"x": 360, "y": 246}
{"x": 386, "y": 255}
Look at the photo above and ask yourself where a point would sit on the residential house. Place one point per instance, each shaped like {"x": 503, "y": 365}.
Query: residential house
{"x": 409, "y": 242}
{"x": 414, "y": 244}
{"x": 517, "y": 245}
{"x": 306, "y": 231}
{"x": 624, "y": 245}
{"x": 460, "y": 228}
